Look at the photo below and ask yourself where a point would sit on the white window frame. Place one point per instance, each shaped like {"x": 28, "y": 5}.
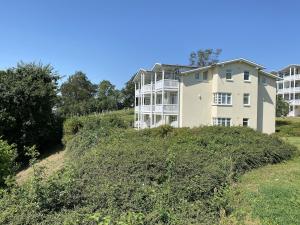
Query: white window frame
{"x": 244, "y": 125}
{"x": 173, "y": 118}
{"x": 222, "y": 98}
{"x": 249, "y": 76}
{"x": 222, "y": 121}
{"x": 264, "y": 80}
{"x": 197, "y": 76}
{"x": 228, "y": 72}
{"x": 205, "y": 73}
{"x": 246, "y": 104}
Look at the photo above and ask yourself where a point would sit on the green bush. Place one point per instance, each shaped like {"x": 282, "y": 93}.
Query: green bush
{"x": 117, "y": 119}
{"x": 154, "y": 176}
{"x": 288, "y": 127}
{"x": 8, "y": 155}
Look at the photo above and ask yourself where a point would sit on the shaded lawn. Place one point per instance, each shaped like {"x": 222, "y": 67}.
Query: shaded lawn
{"x": 268, "y": 195}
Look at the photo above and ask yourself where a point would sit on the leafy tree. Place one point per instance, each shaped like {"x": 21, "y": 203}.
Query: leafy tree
{"x": 282, "y": 107}
{"x": 8, "y": 154}
{"x": 108, "y": 96}
{"x": 77, "y": 95}
{"x": 204, "y": 57}
{"x": 28, "y": 94}
{"x": 128, "y": 93}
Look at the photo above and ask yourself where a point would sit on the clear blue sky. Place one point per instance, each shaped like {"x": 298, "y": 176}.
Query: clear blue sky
{"x": 112, "y": 39}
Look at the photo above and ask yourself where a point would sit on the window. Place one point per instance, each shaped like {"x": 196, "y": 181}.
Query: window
{"x": 222, "y": 98}
{"x": 246, "y": 76}
{"x": 264, "y": 80}
{"x": 205, "y": 75}
{"x": 245, "y": 122}
{"x": 197, "y": 76}
{"x": 228, "y": 75}
{"x": 219, "y": 121}
{"x": 246, "y": 99}
{"x": 172, "y": 119}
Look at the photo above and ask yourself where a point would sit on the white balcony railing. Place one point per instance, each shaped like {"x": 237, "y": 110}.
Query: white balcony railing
{"x": 167, "y": 108}
{"x": 147, "y": 108}
{"x": 138, "y": 92}
{"x": 292, "y": 77}
{"x": 294, "y": 102}
{"x": 140, "y": 124}
{"x": 146, "y": 88}
{"x": 166, "y": 84}
{"x": 288, "y": 90}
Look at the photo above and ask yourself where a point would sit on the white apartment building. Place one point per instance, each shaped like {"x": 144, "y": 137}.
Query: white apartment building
{"x": 231, "y": 93}
{"x": 289, "y": 87}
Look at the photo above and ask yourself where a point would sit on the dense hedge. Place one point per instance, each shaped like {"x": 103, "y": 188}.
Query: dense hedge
{"x": 157, "y": 176}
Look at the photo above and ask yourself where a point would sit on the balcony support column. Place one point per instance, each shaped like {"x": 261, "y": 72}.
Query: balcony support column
{"x": 151, "y": 102}
{"x": 163, "y": 96}
{"x": 139, "y": 107}
{"x": 143, "y": 100}
{"x": 134, "y": 103}
{"x": 294, "y": 92}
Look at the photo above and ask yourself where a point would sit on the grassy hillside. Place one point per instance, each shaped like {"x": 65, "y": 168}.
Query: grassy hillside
{"x": 271, "y": 194}
{"x": 116, "y": 175}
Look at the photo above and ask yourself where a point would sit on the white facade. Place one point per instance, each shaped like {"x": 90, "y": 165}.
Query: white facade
{"x": 289, "y": 88}
{"x": 157, "y": 96}
{"x": 231, "y": 93}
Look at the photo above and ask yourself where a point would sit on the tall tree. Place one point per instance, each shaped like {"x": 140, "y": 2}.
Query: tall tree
{"x": 28, "y": 94}
{"x": 108, "y": 96}
{"x": 77, "y": 95}
{"x": 128, "y": 93}
{"x": 204, "y": 57}
{"x": 282, "y": 107}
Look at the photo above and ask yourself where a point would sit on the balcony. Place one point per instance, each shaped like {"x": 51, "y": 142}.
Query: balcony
{"x": 166, "y": 84}
{"x": 289, "y": 78}
{"x": 146, "y": 88}
{"x": 141, "y": 124}
{"x": 166, "y": 108}
{"x": 289, "y": 90}
{"x": 137, "y": 92}
{"x": 294, "y": 102}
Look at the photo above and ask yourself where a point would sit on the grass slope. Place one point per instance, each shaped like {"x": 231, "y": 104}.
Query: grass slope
{"x": 52, "y": 162}
{"x": 269, "y": 195}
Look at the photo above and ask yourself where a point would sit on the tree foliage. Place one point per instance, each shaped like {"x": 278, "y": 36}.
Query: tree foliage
{"x": 28, "y": 94}
{"x": 128, "y": 94}
{"x": 77, "y": 95}
{"x": 205, "y": 57}
{"x": 108, "y": 96}
{"x": 8, "y": 154}
{"x": 282, "y": 107}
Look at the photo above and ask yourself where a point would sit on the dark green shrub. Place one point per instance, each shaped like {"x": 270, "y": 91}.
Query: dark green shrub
{"x": 153, "y": 176}
{"x": 8, "y": 154}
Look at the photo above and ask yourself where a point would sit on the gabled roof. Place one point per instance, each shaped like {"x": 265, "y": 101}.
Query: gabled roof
{"x": 172, "y": 65}
{"x": 258, "y": 66}
{"x": 141, "y": 70}
{"x": 287, "y": 67}
{"x": 270, "y": 74}
{"x": 227, "y": 62}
